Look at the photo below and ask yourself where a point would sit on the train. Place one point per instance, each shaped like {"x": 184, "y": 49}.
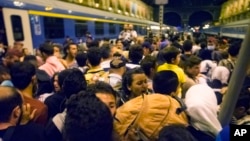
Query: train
{"x": 237, "y": 29}
{"x": 34, "y": 21}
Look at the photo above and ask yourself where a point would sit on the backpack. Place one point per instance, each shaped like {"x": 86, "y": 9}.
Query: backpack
{"x": 92, "y": 77}
{"x": 229, "y": 65}
{"x": 142, "y": 118}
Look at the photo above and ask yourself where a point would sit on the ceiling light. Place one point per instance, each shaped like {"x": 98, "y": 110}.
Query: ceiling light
{"x": 48, "y": 8}
{"x": 18, "y": 3}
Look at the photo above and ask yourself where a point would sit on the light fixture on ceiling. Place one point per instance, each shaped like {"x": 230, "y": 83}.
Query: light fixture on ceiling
{"x": 48, "y": 8}
{"x": 18, "y": 3}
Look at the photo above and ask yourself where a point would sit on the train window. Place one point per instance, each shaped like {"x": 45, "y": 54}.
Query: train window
{"x": 121, "y": 27}
{"x": 81, "y": 27}
{"x": 112, "y": 28}
{"x": 53, "y": 28}
{"x": 17, "y": 27}
{"x": 99, "y": 28}
{"x": 136, "y": 27}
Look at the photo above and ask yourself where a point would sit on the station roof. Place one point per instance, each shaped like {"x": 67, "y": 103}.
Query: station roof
{"x": 183, "y": 3}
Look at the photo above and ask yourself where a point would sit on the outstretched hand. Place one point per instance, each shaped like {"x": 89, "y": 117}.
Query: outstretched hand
{"x": 27, "y": 114}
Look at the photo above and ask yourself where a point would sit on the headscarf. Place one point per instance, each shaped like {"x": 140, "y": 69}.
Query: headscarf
{"x": 207, "y": 67}
{"x": 202, "y": 108}
{"x": 221, "y": 73}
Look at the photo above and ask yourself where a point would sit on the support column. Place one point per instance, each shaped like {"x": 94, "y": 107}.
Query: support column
{"x": 161, "y": 14}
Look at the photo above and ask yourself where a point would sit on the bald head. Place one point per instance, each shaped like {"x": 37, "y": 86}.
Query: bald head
{"x": 9, "y": 99}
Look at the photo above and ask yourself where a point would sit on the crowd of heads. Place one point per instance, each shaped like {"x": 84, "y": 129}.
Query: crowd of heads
{"x": 88, "y": 84}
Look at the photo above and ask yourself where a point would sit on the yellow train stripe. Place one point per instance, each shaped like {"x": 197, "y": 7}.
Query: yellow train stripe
{"x": 67, "y": 16}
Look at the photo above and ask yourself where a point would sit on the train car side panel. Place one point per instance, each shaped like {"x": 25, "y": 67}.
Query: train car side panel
{"x": 17, "y": 25}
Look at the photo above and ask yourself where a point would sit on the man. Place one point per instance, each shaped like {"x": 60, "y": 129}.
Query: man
{"x": 87, "y": 119}
{"x": 70, "y": 52}
{"x": 52, "y": 64}
{"x": 106, "y": 57}
{"x": 105, "y": 93}
{"x": 12, "y": 114}
{"x": 18, "y": 45}
{"x": 23, "y": 76}
{"x": 192, "y": 70}
{"x": 172, "y": 56}
{"x": 135, "y": 55}
{"x": 73, "y": 83}
{"x": 133, "y": 33}
{"x": 117, "y": 69}
{"x": 12, "y": 55}
{"x": 96, "y": 72}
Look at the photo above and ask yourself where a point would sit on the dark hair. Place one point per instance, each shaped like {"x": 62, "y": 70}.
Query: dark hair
{"x": 197, "y": 41}
{"x": 165, "y": 82}
{"x": 105, "y": 51}
{"x": 87, "y": 119}
{"x": 243, "y": 101}
{"x": 127, "y": 79}
{"x": 101, "y": 87}
{"x": 4, "y": 70}
{"x": 46, "y": 48}
{"x": 135, "y": 53}
{"x": 67, "y": 47}
{"x": 9, "y": 99}
{"x": 53, "y": 79}
{"x": 81, "y": 59}
{"x": 234, "y": 49}
{"x": 94, "y": 56}
{"x": 175, "y": 132}
{"x": 203, "y": 45}
{"x": 44, "y": 84}
{"x": 62, "y": 75}
{"x": 74, "y": 83}
{"x": 147, "y": 63}
{"x": 187, "y": 45}
{"x": 21, "y": 74}
{"x": 170, "y": 53}
{"x": 29, "y": 58}
{"x": 93, "y": 44}
{"x": 192, "y": 61}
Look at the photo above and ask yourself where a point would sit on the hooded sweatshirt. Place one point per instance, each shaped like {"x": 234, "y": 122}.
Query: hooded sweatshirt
{"x": 52, "y": 65}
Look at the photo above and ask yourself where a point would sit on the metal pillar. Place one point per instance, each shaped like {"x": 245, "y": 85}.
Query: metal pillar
{"x": 161, "y": 12}
{"x": 236, "y": 81}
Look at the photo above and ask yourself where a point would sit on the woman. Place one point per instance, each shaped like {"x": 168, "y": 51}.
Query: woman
{"x": 202, "y": 109}
{"x": 134, "y": 83}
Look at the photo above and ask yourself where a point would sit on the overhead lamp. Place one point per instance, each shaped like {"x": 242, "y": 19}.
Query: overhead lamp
{"x": 96, "y": 4}
{"x": 110, "y": 8}
{"x": 18, "y": 3}
{"x": 119, "y": 11}
{"x": 48, "y": 8}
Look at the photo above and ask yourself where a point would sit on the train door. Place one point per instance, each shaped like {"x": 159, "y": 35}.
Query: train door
{"x": 17, "y": 26}
{"x": 2, "y": 29}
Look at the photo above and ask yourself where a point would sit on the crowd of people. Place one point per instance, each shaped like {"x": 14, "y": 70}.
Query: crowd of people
{"x": 136, "y": 88}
